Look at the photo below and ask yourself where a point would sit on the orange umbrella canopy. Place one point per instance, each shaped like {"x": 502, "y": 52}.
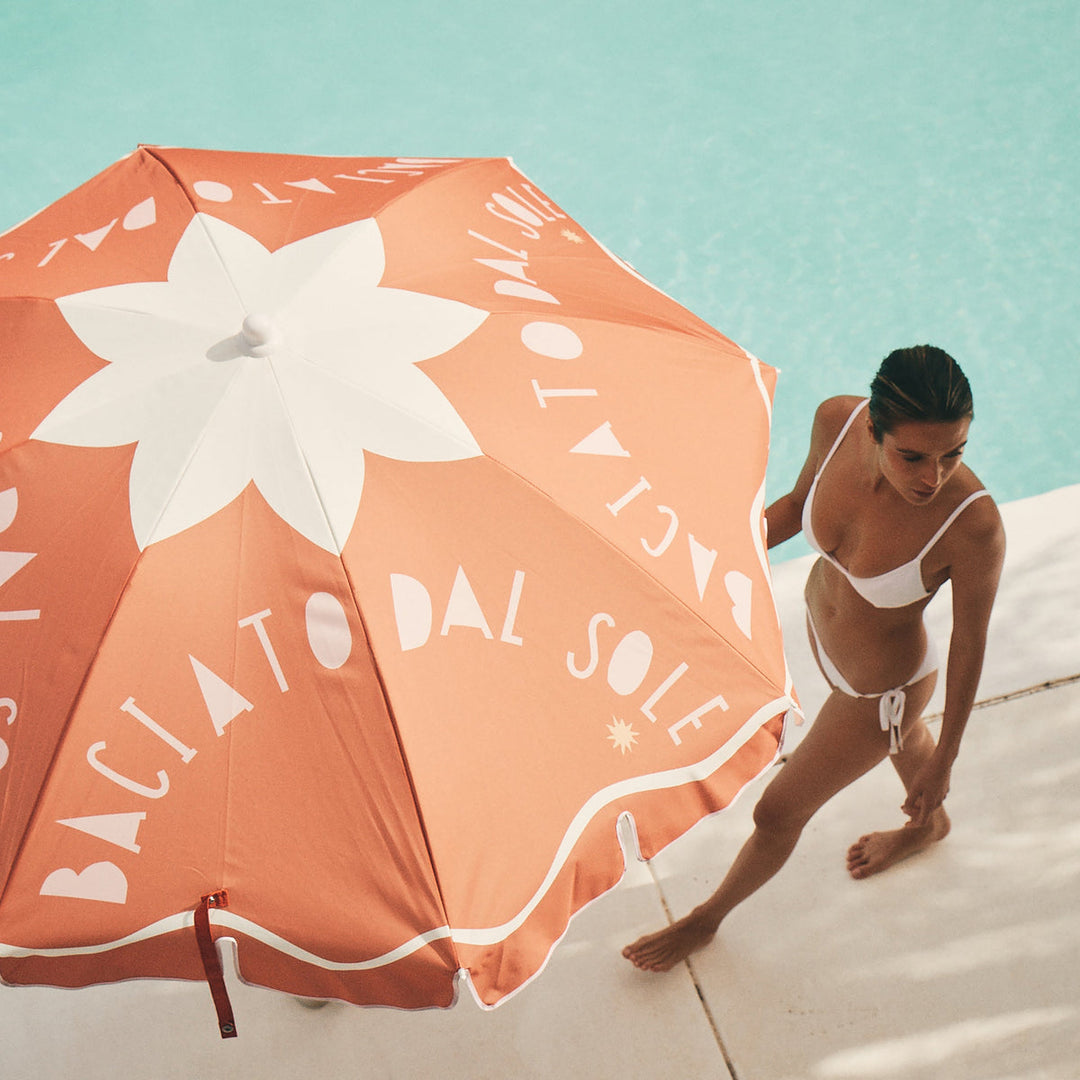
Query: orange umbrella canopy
{"x": 372, "y": 539}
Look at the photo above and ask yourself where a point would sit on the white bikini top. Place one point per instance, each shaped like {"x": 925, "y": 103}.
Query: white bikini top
{"x": 895, "y": 588}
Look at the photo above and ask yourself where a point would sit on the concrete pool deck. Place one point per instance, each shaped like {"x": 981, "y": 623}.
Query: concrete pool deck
{"x": 962, "y": 964}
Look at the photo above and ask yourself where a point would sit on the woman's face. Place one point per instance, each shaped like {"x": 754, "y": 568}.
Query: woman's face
{"x": 918, "y": 457}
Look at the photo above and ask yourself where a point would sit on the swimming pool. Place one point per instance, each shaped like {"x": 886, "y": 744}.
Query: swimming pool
{"x": 821, "y": 182}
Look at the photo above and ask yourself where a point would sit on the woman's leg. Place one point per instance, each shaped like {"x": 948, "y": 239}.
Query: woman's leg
{"x": 878, "y": 851}
{"x": 844, "y": 742}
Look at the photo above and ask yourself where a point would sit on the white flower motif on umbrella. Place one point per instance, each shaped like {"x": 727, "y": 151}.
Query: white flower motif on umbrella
{"x": 279, "y": 368}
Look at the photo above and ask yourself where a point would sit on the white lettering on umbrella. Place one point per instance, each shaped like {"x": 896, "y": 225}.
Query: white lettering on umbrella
{"x": 12, "y": 710}
{"x": 92, "y": 240}
{"x": 542, "y": 393}
{"x": 628, "y": 668}
{"x": 630, "y": 662}
{"x": 523, "y": 291}
{"x": 328, "y": 630}
{"x": 662, "y": 689}
{"x": 694, "y": 717}
{"x": 594, "y": 648}
{"x": 362, "y": 175}
{"x": 271, "y": 199}
{"x": 639, "y": 488}
{"x": 54, "y": 247}
{"x": 125, "y": 781}
{"x": 312, "y": 184}
{"x": 602, "y": 441}
{"x": 697, "y": 770}
{"x": 186, "y": 752}
{"x": 413, "y": 611}
{"x": 223, "y": 702}
{"x": 558, "y": 342}
{"x": 508, "y": 634}
{"x": 702, "y": 560}
{"x": 11, "y": 562}
{"x": 547, "y": 209}
{"x": 741, "y": 589}
{"x": 669, "y": 535}
{"x": 513, "y": 211}
{"x": 119, "y": 829}
{"x": 99, "y": 881}
{"x": 524, "y": 287}
{"x": 463, "y": 609}
{"x": 553, "y": 340}
{"x": 256, "y": 621}
{"x": 520, "y": 210}
{"x": 141, "y": 215}
{"x": 213, "y": 191}
{"x": 514, "y": 267}
{"x": 523, "y": 255}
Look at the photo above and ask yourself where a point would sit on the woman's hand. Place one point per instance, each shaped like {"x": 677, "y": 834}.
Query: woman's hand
{"x": 928, "y": 791}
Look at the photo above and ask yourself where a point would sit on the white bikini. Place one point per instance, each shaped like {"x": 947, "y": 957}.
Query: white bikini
{"x": 895, "y": 588}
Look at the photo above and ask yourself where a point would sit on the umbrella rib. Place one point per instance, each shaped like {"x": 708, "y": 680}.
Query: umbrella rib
{"x": 92, "y": 665}
{"x": 60, "y": 739}
{"x": 697, "y": 616}
{"x": 703, "y": 330}
{"x": 383, "y": 691}
{"x": 657, "y": 325}
{"x": 153, "y": 152}
{"x": 395, "y": 405}
{"x": 453, "y": 165}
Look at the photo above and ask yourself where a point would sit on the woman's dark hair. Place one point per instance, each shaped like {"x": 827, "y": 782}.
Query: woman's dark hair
{"x": 922, "y": 383}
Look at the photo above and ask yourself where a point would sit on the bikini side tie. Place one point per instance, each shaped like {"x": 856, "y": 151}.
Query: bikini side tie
{"x": 891, "y": 714}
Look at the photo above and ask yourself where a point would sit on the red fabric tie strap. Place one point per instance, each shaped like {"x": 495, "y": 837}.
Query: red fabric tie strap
{"x": 215, "y": 977}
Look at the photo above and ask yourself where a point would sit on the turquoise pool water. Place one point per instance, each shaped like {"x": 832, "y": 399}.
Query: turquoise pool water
{"x": 822, "y": 182}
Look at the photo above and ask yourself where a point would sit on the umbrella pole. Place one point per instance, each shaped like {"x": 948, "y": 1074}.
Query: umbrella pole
{"x": 215, "y": 977}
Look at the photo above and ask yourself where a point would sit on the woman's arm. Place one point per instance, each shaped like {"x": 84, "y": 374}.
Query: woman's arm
{"x": 784, "y": 517}
{"x": 975, "y": 573}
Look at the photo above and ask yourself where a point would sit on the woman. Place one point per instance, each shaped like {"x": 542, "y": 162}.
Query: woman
{"x": 885, "y": 500}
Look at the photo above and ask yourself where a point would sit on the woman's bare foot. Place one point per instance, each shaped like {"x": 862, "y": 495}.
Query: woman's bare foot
{"x": 662, "y": 950}
{"x": 878, "y": 851}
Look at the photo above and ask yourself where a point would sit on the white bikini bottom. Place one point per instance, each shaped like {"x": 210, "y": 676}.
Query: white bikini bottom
{"x": 892, "y": 702}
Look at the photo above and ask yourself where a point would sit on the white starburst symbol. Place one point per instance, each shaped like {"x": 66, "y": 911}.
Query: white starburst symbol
{"x": 278, "y": 368}
{"x": 622, "y": 735}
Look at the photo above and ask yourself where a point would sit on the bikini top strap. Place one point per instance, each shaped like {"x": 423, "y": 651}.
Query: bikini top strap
{"x": 840, "y": 438}
{"x": 950, "y": 519}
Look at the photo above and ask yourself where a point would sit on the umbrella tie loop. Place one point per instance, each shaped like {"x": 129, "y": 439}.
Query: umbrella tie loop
{"x": 215, "y": 977}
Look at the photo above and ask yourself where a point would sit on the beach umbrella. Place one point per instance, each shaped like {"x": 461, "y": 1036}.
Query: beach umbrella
{"x": 371, "y": 541}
